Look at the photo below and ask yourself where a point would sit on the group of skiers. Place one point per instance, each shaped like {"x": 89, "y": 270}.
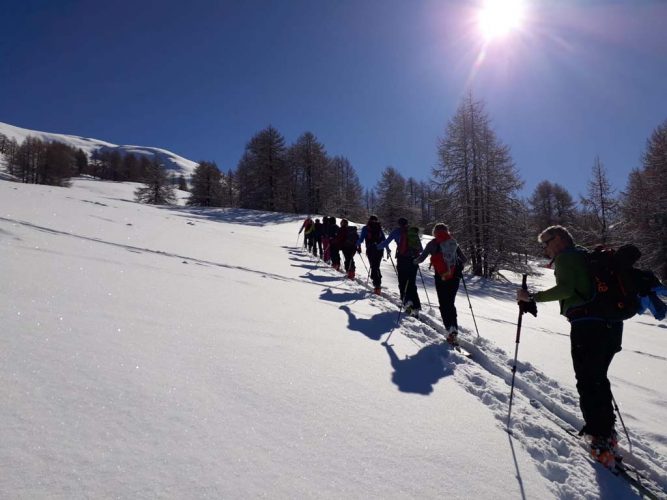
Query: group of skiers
{"x": 595, "y": 334}
{"x": 327, "y": 239}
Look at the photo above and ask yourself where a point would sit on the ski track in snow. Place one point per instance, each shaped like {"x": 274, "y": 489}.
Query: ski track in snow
{"x": 560, "y": 457}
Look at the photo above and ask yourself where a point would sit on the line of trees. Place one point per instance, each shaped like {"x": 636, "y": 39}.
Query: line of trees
{"x": 474, "y": 189}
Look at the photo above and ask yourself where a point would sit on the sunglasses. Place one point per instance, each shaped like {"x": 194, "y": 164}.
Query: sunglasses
{"x": 545, "y": 243}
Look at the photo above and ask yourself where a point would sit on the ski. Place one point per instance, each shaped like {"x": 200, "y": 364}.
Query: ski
{"x": 646, "y": 487}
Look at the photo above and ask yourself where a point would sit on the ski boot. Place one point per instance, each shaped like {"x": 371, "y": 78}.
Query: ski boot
{"x": 602, "y": 451}
{"x": 453, "y": 336}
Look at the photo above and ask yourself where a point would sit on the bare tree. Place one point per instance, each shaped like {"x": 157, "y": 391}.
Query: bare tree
{"x": 476, "y": 186}
{"x": 644, "y": 204}
{"x": 343, "y": 195}
{"x": 262, "y": 173}
{"x": 207, "y": 188}
{"x": 600, "y": 208}
{"x": 157, "y": 189}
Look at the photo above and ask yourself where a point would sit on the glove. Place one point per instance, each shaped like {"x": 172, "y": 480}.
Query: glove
{"x": 388, "y": 254}
{"x": 528, "y": 307}
{"x": 358, "y": 249}
{"x": 416, "y": 262}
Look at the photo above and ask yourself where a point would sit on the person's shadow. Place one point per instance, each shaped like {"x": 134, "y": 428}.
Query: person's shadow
{"x": 374, "y": 327}
{"x": 330, "y": 296}
{"x": 419, "y": 373}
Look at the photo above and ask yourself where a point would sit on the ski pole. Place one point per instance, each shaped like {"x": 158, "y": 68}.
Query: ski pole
{"x": 516, "y": 352}
{"x": 394, "y": 266}
{"x": 400, "y": 312}
{"x": 470, "y": 304}
{"x": 625, "y": 429}
{"x": 424, "y": 285}
{"x": 364, "y": 263}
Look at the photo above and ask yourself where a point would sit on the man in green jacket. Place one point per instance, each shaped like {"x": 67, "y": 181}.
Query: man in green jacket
{"x": 594, "y": 341}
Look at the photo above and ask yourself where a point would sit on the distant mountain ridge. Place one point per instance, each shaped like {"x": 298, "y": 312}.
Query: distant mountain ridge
{"x": 171, "y": 161}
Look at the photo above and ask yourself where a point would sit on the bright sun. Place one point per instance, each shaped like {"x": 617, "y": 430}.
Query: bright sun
{"x": 498, "y": 18}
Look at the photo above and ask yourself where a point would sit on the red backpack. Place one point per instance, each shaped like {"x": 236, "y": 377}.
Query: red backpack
{"x": 444, "y": 260}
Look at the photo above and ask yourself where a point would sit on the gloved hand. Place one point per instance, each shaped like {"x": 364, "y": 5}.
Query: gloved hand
{"x": 358, "y": 249}
{"x": 388, "y": 254}
{"x": 528, "y": 307}
{"x": 526, "y": 302}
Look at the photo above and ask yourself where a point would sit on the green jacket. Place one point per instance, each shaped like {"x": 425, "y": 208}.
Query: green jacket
{"x": 573, "y": 283}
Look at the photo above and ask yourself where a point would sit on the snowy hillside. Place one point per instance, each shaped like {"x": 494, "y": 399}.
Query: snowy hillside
{"x": 176, "y": 352}
{"x": 170, "y": 160}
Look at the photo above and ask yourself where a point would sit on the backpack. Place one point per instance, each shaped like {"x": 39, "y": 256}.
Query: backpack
{"x": 373, "y": 231}
{"x": 444, "y": 260}
{"x": 616, "y": 284}
{"x": 409, "y": 242}
{"x": 351, "y": 236}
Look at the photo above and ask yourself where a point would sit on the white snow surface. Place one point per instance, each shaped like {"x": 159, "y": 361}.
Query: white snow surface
{"x": 173, "y": 352}
{"x": 170, "y": 160}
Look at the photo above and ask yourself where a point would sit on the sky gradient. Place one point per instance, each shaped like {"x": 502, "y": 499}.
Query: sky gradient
{"x": 375, "y": 80}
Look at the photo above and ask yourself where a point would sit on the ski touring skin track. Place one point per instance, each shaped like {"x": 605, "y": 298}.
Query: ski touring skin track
{"x": 636, "y": 478}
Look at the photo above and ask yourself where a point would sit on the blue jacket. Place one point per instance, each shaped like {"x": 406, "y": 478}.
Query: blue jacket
{"x": 653, "y": 303}
{"x": 362, "y": 236}
{"x": 395, "y": 235}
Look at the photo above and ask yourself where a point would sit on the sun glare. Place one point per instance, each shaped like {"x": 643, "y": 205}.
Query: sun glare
{"x": 497, "y": 18}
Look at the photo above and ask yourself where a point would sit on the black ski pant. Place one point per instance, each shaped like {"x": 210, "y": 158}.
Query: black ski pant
{"x": 310, "y": 239}
{"x": 348, "y": 255}
{"x": 407, "y": 280}
{"x": 593, "y": 345}
{"x": 334, "y": 254}
{"x": 374, "y": 258}
{"x": 446, "y": 298}
{"x": 318, "y": 246}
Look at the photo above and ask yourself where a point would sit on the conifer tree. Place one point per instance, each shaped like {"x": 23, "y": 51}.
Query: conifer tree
{"x": 207, "y": 186}
{"x": 476, "y": 186}
{"x": 157, "y": 189}
{"x": 262, "y": 173}
{"x": 308, "y": 163}
{"x": 342, "y": 196}
{"x": 644, "y": 204}
{"x": 600, "y": 208}
{"x": 392, "y": 197}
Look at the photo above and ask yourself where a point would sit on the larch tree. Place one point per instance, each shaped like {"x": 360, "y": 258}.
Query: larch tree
{"x": 207, "y": 188}
{"x": 343, "y": 196}
{"x": 644, "y": 204}
{"x": 263, "y": 174}
{"x": 392, "y": 198}
{"x": 476, "y": 186}
{"x": 311, "y": 177}
{"x": 600, "y": 208}
{"x": 157, "y": 189}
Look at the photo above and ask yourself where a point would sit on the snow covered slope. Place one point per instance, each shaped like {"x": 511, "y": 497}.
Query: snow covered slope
{"x": 170, "y": 160}
{"x": 177, "y": 352}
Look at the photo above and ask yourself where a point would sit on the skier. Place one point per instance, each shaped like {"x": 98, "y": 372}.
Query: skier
{"x": 306, "y": 228}
{"x": 334, "y": 249}
{"x": 371, "y": 235}
{"x": 447, "y": 260}
{"x": 408, "y": 247}
{"x": 594, "y": 341}
{"x": 317, "y": 239}
{"x": 346, "y": 242}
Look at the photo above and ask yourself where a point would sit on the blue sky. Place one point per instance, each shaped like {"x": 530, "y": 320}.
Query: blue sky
{"x": 375, "y": 80}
